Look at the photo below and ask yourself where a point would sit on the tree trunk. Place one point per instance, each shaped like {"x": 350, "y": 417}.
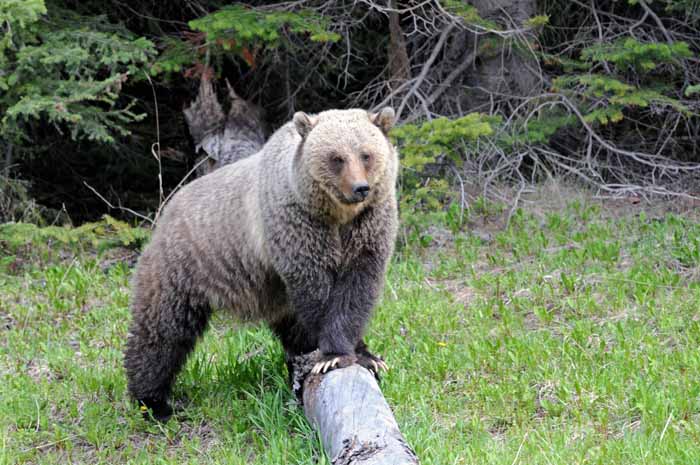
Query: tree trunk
{"x": 224, "y": 138}
{"x": 8, "y": 159}
{"x": 510, "y": 69}
{"x": 349, "y": 410}
{"x": 399, "y": 64}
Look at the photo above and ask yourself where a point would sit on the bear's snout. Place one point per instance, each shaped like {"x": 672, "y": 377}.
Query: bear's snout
{"x": 360, "y": 190}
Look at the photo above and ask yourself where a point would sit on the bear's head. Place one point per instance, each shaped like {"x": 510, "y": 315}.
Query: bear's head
{"x": 347, "y": 155}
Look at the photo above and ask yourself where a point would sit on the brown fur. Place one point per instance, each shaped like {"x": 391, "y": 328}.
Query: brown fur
{"x": 277, "y": 237}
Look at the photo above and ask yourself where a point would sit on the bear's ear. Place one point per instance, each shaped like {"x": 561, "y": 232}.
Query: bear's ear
{"x": 384, "y": 120}
{"x": 304, "y": 123}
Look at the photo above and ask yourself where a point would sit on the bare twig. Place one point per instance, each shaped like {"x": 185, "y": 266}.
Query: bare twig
{"x": 118, "y": 207}
{"x": 426, "y": 67}
{"x": 155, "y": 147}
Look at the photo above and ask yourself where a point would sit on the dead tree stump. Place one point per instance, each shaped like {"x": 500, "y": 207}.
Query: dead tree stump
{"x": 224, "y": 138}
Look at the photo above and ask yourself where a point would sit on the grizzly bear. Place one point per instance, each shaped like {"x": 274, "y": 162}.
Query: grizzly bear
{"x": 298, "y": 235}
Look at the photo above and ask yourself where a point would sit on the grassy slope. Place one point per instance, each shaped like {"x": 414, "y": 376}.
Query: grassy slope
{"x": 565, "y": 339}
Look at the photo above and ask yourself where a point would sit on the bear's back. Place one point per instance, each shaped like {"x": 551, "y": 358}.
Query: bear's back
{"x": 209, "y": 237}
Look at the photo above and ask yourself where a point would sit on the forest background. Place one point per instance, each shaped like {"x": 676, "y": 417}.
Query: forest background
{"x": 92, "y": 93}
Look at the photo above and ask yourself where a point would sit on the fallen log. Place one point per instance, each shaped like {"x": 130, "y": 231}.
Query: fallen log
{"x": 347, "y": 407}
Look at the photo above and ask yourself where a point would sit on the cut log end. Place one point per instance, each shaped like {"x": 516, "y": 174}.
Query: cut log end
{"x": 348, "y": 409}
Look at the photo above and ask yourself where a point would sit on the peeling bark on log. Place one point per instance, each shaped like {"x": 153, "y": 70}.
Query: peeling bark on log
{"x": 224, "y": 138}
{"x": 349, "y": 410}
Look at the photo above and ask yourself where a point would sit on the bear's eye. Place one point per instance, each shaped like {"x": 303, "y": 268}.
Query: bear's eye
{"x": 337, "y": 160}
{"x": 365, "y": 157}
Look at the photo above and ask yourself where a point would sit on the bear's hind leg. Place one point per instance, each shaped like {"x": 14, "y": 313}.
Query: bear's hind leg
{"x": 161, "y": 337}
{"x": 294, "y": 338}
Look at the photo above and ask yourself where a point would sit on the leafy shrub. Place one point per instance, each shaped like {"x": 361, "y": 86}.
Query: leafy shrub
{"x": 426, "y": 195}
{"x": 22, "y": 242}
{"x": 15, "y": 202}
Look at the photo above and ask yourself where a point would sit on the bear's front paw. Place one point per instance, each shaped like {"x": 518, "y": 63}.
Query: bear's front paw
{"x": 160, "y": 410}
{"x": 331, "y": 362}
{"x": 373, "y": 363}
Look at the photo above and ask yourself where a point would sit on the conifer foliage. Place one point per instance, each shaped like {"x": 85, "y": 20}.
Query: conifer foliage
{"x": 66, "y": 71}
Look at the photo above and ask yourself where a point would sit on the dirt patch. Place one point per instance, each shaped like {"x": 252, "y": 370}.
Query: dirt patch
{"x": 7, "y": 321}
{"x": 558, "y": 195}
{"x": 461, "y": 293}
{"x": 498, "y": 428}
{"x": 39, "y": 371}
{"x": 203, "y": 432}
{"x": 116, "y": 255}
{"x": 545, "y": 395}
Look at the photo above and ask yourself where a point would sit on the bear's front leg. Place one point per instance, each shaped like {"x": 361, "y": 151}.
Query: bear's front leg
{"x": 316, "y": 325}
{"x": 349, "y": 308}
{"x": 340, "y": 330}
{"x": 365, "y": 358}
{"x": 331, "y": 300}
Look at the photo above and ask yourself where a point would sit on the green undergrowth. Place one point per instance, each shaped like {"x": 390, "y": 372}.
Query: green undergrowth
{"x": 27, "y": 244}
{"x": 568, "y": 336}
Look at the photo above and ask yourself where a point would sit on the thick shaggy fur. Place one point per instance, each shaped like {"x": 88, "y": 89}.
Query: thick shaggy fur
{"x": 275, "y": 237}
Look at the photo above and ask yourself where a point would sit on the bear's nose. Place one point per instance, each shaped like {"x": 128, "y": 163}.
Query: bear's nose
{"x": 360, "y": 189}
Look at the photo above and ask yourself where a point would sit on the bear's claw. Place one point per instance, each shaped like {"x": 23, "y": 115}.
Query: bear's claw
{"x": 374, "y": 363}
{"x": 328, "y": 363}
{"x": 322, "y": 367}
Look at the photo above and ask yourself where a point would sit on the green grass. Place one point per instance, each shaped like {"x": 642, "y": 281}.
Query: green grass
{"x": 571, "y": 337}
